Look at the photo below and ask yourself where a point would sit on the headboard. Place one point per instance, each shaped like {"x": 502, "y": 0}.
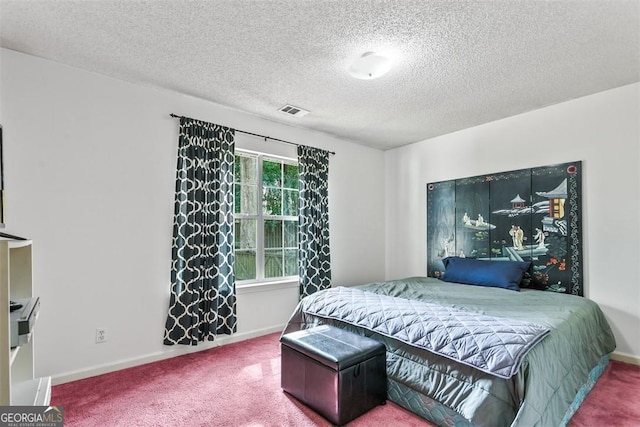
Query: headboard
{"x": 523, "y": 215}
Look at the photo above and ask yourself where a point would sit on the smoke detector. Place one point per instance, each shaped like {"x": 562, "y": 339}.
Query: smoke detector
{"x": 293, "y": 111}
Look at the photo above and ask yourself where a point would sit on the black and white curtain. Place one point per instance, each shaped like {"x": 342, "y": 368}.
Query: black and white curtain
{"x": 313, "y": 229}
{"x": 203, "y": 298}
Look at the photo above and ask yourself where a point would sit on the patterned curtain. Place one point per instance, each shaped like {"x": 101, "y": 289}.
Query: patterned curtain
{"x": 203, "y": 297}
{"x": 313, "y": 229}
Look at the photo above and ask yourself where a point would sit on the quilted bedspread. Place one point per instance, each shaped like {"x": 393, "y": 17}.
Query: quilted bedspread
{"x": 495, "y": 345}
{"x": 429, "y": 382}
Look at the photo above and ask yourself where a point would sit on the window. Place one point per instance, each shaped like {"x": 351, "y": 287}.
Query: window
{"x": 266, "y": 217}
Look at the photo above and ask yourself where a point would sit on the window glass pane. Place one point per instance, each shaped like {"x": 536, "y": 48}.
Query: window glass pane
{"x": 246, "y": 201}
{"x": 245, "y": 265}
{"x": 271, "y": 173}
{"x": 274, "y": 194}
{"x": 272, "y": 201}
{"x": 273, "y": 263}
{"x": 290, "y": 234}
{"x": 272, "y": 233}
{"x": 245, "y": 234}
{"x": 290, "y": 202}
{"x": 290, "y": 262}
{"x": 290, "y": 176}
{"x": 246, "y": 170}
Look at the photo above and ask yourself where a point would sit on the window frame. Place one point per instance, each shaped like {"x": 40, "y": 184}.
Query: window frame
{"x": 260, "y": 219}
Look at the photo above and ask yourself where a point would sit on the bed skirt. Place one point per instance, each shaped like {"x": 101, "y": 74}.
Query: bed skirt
{"x": 443, "y": 416}
{"x": 584, "y": 390}
{"x": 424, "y": 406}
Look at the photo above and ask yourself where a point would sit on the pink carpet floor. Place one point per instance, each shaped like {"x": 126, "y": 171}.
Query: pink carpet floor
{"x": 239, "y": 385}
{"x": 614, "y": 401}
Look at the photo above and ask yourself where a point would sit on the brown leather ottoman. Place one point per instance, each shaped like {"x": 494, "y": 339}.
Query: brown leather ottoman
{"x": 337, "y": 373}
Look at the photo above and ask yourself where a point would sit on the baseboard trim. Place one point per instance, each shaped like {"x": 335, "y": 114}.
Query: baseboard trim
{"x": 162, "y": 355}
{"x": 626, "y": 358}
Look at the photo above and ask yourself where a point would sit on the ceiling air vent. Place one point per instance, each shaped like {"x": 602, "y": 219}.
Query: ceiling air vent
{"x": 294, "y": 111}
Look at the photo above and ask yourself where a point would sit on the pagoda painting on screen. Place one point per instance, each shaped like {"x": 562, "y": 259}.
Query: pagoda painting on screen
{"x": 523, "y": 215}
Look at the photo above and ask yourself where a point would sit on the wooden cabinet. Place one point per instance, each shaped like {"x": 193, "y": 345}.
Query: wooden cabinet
{"x": 18, "y": 384}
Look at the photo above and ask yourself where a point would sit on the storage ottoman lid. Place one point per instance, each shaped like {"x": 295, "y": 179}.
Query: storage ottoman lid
{"x": 332, "y": 346}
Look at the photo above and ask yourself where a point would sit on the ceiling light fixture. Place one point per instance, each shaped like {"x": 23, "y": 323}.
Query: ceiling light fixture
{"x": 370, "y": 65}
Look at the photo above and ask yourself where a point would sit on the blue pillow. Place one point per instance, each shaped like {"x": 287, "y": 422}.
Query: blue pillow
{"x": 497, "y": 274}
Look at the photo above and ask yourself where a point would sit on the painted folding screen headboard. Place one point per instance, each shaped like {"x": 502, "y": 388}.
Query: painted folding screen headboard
{"x": 529, "y": 214}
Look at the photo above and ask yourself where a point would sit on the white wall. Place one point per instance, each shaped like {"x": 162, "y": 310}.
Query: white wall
{"x": 89, "y": 168}
{"x": 602, "y": 130}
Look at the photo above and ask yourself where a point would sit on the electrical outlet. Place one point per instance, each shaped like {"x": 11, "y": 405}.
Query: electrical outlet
{"x": 101, "y": 335}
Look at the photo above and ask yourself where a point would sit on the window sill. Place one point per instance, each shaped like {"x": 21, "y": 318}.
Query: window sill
{"x": 267, "y": 286}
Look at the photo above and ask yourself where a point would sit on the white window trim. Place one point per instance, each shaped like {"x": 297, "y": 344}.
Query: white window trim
{"x": 260, "y": 217}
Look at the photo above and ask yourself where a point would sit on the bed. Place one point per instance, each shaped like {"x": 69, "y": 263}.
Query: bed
{"x": 543, "y": 386}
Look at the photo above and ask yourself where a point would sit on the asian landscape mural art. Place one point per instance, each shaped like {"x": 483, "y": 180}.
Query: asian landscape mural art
{"x": 524, "y": 215}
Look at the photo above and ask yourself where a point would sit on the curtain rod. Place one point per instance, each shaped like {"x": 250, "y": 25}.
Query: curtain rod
{"x": 250, "y": 133}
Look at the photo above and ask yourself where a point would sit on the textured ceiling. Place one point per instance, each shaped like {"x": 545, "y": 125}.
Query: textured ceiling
{"x": 456, "y": 63}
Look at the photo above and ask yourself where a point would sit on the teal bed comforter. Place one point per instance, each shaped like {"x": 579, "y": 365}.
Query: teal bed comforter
{"x": 542, "y": 391}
